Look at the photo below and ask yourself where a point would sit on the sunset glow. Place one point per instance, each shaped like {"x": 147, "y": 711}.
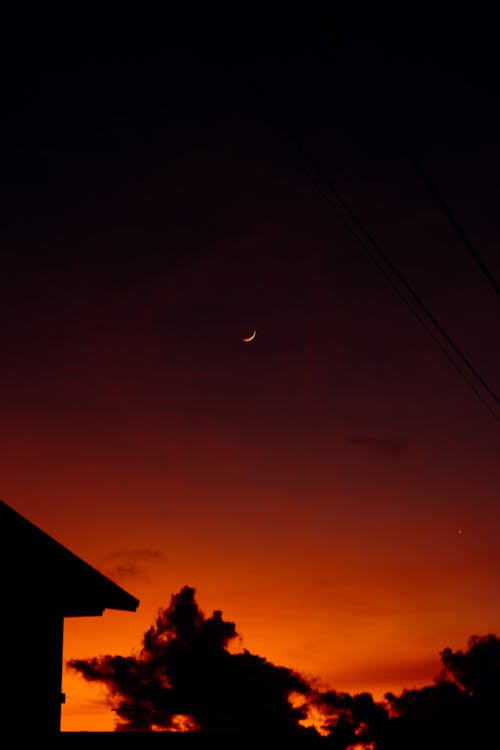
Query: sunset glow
{"x": 330, "y": 483}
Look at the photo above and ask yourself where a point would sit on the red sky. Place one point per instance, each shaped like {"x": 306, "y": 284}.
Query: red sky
{"x": 312, "y": 483}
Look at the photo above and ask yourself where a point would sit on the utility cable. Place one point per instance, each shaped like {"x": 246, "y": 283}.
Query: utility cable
{"x": 326, "y": 188}
{"x": 413, "y": 158}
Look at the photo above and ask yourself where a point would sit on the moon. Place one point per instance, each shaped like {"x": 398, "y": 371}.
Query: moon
{"x": 251, "y": 337}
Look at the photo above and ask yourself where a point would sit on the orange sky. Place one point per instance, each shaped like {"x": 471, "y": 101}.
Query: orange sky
{"x": 311, "y": 484}
{"x": 358, "y": 582}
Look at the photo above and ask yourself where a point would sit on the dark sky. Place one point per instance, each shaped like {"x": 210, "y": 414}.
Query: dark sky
{"x": 152, "y": 218}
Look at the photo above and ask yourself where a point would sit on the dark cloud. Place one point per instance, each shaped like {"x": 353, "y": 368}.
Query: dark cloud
{"x": 460, "y": 710}
{"x": 476, "y": 670}
{"x": 128, "y": 563}
{"x": 435, "y": 716}
{"x": 393, "y": 446}
{"x": 185, "y": 669}
{"x": 351, "y": 719}
{"x": 185, "y": 675}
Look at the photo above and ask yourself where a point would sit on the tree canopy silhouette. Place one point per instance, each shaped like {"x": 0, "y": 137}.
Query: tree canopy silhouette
{"x": 186, "y": 678}
{"x": 185, "y": 669}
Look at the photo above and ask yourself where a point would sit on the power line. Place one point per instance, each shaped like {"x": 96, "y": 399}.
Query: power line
{"x": 413, "y": 158}
{"x": 396, "y": 289}
{"x": 323, "y": 184}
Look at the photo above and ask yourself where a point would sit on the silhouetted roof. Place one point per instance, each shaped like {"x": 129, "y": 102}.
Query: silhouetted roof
{"x": 35, "y": 567}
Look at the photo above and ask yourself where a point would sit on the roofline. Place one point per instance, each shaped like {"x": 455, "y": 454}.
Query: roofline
{"x": 133, "y": 602}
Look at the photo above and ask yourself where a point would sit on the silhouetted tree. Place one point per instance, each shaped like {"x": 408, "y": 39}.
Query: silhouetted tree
{"x": 184, "y": 669}
{"x": 185, "y": 676}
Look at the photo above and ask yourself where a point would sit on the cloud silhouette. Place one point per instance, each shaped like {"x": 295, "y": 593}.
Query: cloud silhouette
{"x": 184, "y": 669}
{"x": 185, "y": 677}
{"x": 128, "y": 563}
{"x": 393, "y": 446}
{"x": 350, "y": 719}
{"x": 477, "y": 670}
{"x": 460, "y": 710}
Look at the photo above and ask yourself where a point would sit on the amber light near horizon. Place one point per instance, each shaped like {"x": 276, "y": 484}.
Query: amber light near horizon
{"x": 307, "y": 598}
{"x": 205, "y": 379}
{"x": 336, "y": 558}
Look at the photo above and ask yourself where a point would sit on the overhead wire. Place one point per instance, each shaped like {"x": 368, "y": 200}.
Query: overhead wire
{"x": 325, "y": 195}
{"x": 325, "y": 187}
{"x": 411, "y": 155}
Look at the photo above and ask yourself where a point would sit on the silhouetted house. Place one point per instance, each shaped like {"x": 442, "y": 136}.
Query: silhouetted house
{"x": 42, "y": 582}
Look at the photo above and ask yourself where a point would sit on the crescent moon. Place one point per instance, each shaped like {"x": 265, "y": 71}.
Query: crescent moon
{"x": 250, "y": 338}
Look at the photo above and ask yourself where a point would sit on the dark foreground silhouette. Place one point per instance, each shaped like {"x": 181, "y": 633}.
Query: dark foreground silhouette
{"x": 186, "y": 677}
{"x": 42, "y": 583}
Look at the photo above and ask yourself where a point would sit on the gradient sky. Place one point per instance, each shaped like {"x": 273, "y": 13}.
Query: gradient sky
{"x": 332, "y": 486}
